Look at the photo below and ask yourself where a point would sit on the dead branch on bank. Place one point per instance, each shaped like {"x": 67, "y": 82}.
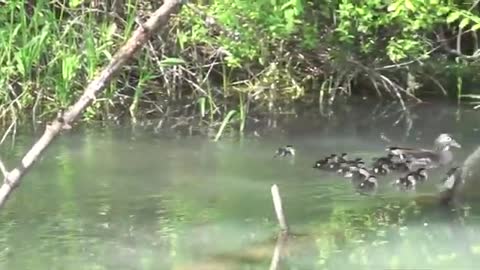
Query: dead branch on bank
{"x": 64, "y": 120}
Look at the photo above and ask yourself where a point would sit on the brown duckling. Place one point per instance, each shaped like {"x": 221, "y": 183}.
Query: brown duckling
{"x": 326, "y": 163}
{"x": 407, "y": 182}
{"x": 284, "y": 151}
{"x": 368, "y": 185}
{"x": 382, "y": 169}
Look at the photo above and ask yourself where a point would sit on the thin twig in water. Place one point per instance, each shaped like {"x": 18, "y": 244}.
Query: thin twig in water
{"x": 277, "y": 252}
{"x": 277, "y": 203}
{"x": 35, "y": 105}
{"x": 9, "y": 129}
{"x": 3, "y": 169}
{"x": 435, "y": 81}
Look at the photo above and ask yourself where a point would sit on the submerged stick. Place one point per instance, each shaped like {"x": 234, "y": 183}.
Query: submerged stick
{"x": 139, "y": 37}
{"x": 278, "y": 251}
{"x": 277, "y": 204}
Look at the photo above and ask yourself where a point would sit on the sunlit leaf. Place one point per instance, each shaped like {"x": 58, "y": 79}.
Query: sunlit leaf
{"x": 453, "y": 16}
{"x": 172, "y": 62}
{"x": 394, "y": 6}
{"x": 75, "y": 3}
{"x": 476, "y": 27}
{"x": 409, "y": 5}
{"x": 463, "y": 23}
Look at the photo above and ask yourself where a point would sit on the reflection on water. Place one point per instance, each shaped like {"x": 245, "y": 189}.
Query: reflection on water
{"x": 117, "y": 199}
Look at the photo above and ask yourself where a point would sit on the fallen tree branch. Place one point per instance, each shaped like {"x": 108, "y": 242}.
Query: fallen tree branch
{"x": 277, "y": 204}
{"x": 139, "y": 37}
{"x": 278, "y": 251}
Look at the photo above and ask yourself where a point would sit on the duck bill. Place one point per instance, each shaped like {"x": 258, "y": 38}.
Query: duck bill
{"x": 455, "y": 144}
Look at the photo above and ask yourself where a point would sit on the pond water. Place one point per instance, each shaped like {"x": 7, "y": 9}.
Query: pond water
{"x": 117, "y": 198}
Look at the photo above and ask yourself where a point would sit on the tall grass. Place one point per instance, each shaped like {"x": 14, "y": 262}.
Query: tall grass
{"x": 48, "y": 52}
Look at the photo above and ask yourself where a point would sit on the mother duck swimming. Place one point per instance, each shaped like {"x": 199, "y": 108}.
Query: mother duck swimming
{"x": 440, "y": 155}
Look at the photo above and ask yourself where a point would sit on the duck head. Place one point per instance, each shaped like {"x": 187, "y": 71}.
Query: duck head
{"x": 321, "y": 163}
{"x": 385, "y": 168}
{"x": 444, "y": 141}
{"x": 411, "y": 181}
{"x": 289, "y": 148}
{"x": 369, "y": 183}
{"x": 422, "y": 172}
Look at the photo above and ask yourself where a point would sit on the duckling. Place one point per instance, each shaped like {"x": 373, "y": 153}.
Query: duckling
{"x": 356, "y": 161}
{"x": 401, "y": 166}
{"x": 334, "y": 163}
{"x": 347, "y": 171}
{"x": 381, "y": 169}
{"x": 287, "y": 150}
{"x": 382, "y": 160}
{"x": 345, "y": 165}
{"x": 319, "y": 164}
{"x": 406, "y": 182}
{"x": 420, "y": 174}
{"x": 334, "y": 159}
{"x": 325, "y": 163}
{"x": 368, "y": 185}
{"x": 343, "y": 158}
{"x": 322, "y": 163}
{"x": 360, "y": 174}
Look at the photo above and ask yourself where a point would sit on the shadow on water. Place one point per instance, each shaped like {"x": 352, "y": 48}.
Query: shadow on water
{"x": 113, "y": 198}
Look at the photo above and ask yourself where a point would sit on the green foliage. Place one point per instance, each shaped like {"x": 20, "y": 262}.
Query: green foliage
{"x": 402, "y": 27}
{"x": 49, "y": 51}
{"x": 247, "y": 30}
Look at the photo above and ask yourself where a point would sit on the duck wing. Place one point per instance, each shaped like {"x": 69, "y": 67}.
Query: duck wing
{"x": 397, "y": 150}
{"x": 418, "y": 156}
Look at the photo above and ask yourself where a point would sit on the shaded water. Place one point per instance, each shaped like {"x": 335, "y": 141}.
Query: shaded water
{"x": 122, "y": 199}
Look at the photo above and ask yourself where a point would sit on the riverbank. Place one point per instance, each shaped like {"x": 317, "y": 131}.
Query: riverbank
{"x": 215, "y": 66}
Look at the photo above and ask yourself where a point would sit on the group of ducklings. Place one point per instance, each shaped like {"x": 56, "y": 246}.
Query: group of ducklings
{"x": 365, "y": 178}
{"x": 412, "y": 163}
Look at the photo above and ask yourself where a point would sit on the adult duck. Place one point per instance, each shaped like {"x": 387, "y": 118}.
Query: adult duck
{"x": 440, "y": 155}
